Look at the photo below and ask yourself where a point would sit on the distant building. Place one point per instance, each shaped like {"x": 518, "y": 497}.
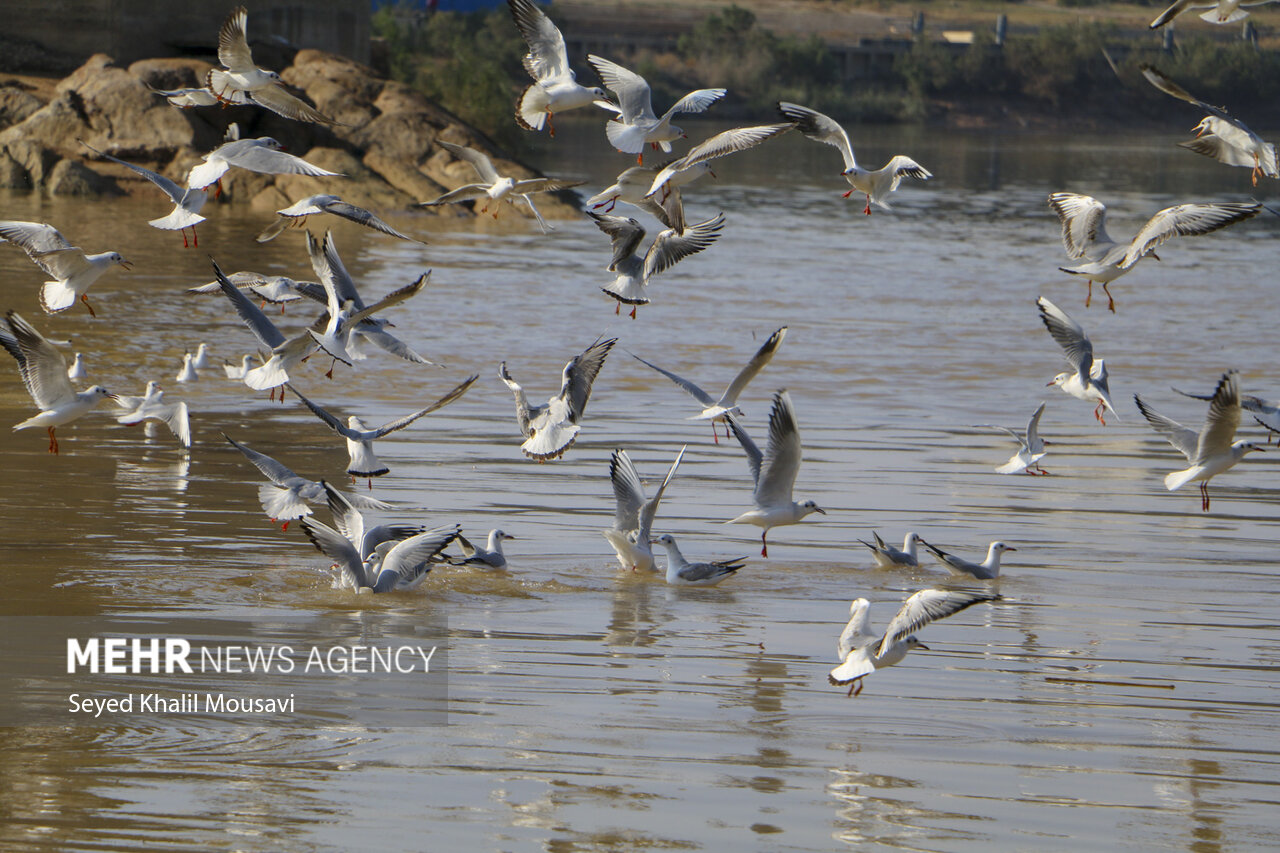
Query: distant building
{"x": 63, "y": 33}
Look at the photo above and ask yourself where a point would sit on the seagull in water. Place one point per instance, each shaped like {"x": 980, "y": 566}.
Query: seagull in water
{"x": 716, "y": 410}
{"x": 774, "y": 472}
{"x": 285, "y": 498}
{"x": 1089, "y": 381}
{"x": 240, "y": 80}
{"x": 488, "y": 557}
{"x": 680, "y": 572}
{"x": 862, "y": 652}
{"x": 668, "y": 248}
{"x": 187, "y": 202}
{"x": 77, "y": 370}
{"x": 1084, "y": 234}
{"x": 188, "y": 372}
{"x": 889, "y": 557}
{"x": 552, "y": 429}
{"x": 1030, "y": 447}
{"x": 1213, "y": 449}
{"x": 44, "y": 373}
{"x": 988, "y": 569}
{"x": 72, "y": 270}
{"x": 555, "y": 88}
{"x": 363, "y": 462}
{"x": 633, "y": 519}
{"x": 637, "y": 123}
{"x": 875, "y": 184}
{"x": 496, "y": 188}
{"x": 296, "y": 214}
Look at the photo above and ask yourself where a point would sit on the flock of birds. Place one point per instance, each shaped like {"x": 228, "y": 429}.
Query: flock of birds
{"x": 385, "y": 557}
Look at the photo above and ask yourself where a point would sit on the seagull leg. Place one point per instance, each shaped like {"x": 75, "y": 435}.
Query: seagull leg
{"x": 284, "y": 527}
{"x": 551, "y": 125}
{"x": 852, "y": 685}
{"x": 617, "y": 308}
{"x": 1204, "y": 496}
{"x": 332, "y": 365}
{"x": 1089, "y": 295}
{"x": 764, "y": 549}
{"x": 859, "y": 690}
{"x": 217, "y": 195}
{"x": 849, "y": 193}
{"x": 53, "y": 441}
{"x": 715, "y": 433}
{"x": 1111, "y": 302}
{"x": 867, "y": 209}
{"x": 640, "y": 159}
{"x": 184, "y": 237}
{"x": 195, "y": 238}
{"x": 84, "y": 297}
{"x": 633, "y": 311}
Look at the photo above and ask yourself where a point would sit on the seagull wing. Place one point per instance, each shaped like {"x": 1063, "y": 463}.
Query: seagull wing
{"x": 579, "y": 375}
{"x": 729, "y": 142}
{"x": 1069, "y": 335}
{"x": 782, "y": 456}
{"x": 928, "y": 605}
{"x": 669, "y": 247}
{"x": 270, "y": 468}
{"x": 262, "y": 327}
{"x": 1033, "y": 441}
{"x": 411, "y": 558}
{"x": 478, "y": 160}
{"x": 858, "y": 628}
{"x": 400, "y": 423}
{"x": 1223, "y": 419}
{"x": 233, "y": 45}
{"x": 168, "y": 187}
{"x": 547, "y": 60}
{"x": 360, "y": 216}
{"x": 43, "y": 369}
{"x": 625, "y": 235}
{"x": 762, "y": 357}
{"x": 1084, "y": 222}
{"x": 1157, "y": 78}
{"x": 1185, "y": 220}
{"x": 694, "y": 391}
{"x": 820, "y": 128}
{"x": 1184, "y": 440}
{"x": 1212, "y": 145}
{"x": 650, "y": 508}
{"x": 275, "y": 98}
{"x": 332, "y": 422}
{"x": 467, "y": 192}
{"x": 338, "y": 548}
{"x": 395, "y": 297}
{"x": 754, "y": 456}
{"x": 632, "y": 90}
{"x": 269, "y": 161}
{"x": 697, "y": 101}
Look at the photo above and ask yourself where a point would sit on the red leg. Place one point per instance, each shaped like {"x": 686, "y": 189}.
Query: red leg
{"x": 617, "y": 309}
{"x": 715, "y": 433}
{"x": 284, "y": 527}
{"x": 867, "y": 209}
{"x": 633, "y": 312}
{"x": 195, "y": 238}
{"x": 1111, "y": 302}
{"x": 53, "y": 440}
{"x": 764, "y": 549}
{"x": 184, "y": 237}
{"x": 551, "y": 125}
{"x": 640, "y": 159}
{"x": 849, "y": 193}
{"x": 84, "y": 297}
{"x": 1089, "y": 296}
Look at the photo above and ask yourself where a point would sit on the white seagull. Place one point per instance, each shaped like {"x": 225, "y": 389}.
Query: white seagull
{"x": 551, "y": 429}
{"x": 276, "y": 289}
{"x": 496, "y": 188}
{"x": 1089, "y": 381}
{"x": 668, "y": 248}
{"x": 200, "y": 360}
{"x": 264, "y": 155}
{"x": 1213, "y": 449}
{"x": 72, "y": 270}
{"x": 889, "y": 557}
{"x": 637, "y": 123}
{"x": 632, "y": 187}
{"x": 187, "y": 202}
{"x": 489, "y": 556}
{"x": 715, "y": 410}
{"x": 875, "y": 184}
{"x": 1220, "y": 11}
{"x": 190, "y": 96}
{"x": 188, "y": 372}
{"x": 1084, "y": 234}
{"x": 1030, "y": 447}
{"x": 285, "y": 498}
{"x": 296, "y": 214}
{"x": 697, "y": 162}
{"x": 988, "y": 569}
{"x": 774, "y": 472}
{"x": 241, "y": 80}
{"x": 680, "y": 572}
{"x": 1219, "y": 135}
{"x": 632, "y": 528}
{"x": 238, "y": 371}
{"x": 861, "y": 652}
{"x": 44, "y": 373}
{"x": 153, "y": 408}
{"x": 554, "y": 88}
{"x": 77, "y": 370}
{"x": 363, "y": 462}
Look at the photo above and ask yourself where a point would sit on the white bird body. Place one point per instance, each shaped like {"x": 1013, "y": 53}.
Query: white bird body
{"x": 551, "y": 429}
{"x": 77, "y": 370}
{"x": 669, "y": 247}
{"x": 875, "y": 184}
{"x": 555, "y": 88}
{"x": 632, "y": 528}
{"x": 1030, "y": 447}
{"x": 72, "y": 271}
{"x": 296, "y": 214}
{"x": 637, "y": 124}
{"x": 697, "y": 162}
{"x": 988, "y": 569}
{"x": 44, "y": 373}
{"x": 774, "y": 472}
{"x": 680, "y": 572}
{"x": 187, "y": 202}
{"x": 238, "y": 371}
{"x": 496, "y": 188}
{"x": 175, "y": 416}
{"x": 188, "y": 372}
{"x": 488, "y": 557}
{"x": 264, "y": 155}
{"x": 889, "y": 557}
{"x": 1219, "y": 11}
{"x": 286, "y": 353}
{"x": 200, "y": 358}
{"x": 1089, "y": 380}
{"x": 862, "y": 652}
{"x": 1211, "y": 450}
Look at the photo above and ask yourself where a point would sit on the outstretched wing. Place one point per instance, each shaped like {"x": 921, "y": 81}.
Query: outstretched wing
{"x": 1084, "y": 221}
{"x": 669, "y": 247}
{"x": 270, "y": 468}
{"x": 1223, "y": 419}
{"x": 762, "y": 357}
{"x": 1185, "y": 220}
{"x": 478, "y": 160}
{"x": 928, "y": 605}
{"x": 1184, "y": 440}
{"x": 1069, "y": 334}
{"x": 547, "y": 60}
{"x": 580, "y": 374}
{"x": 453, "y": 394}
{"x": 820, "y": 128}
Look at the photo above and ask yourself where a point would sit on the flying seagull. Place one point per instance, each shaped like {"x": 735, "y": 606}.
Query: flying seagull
{"x": 72, "y": 271}
{"x": 551, "y": 429}
{"x": 1089, "y": 380}
{"x": 633, "y": 520}
{"x": 555, "y": 88}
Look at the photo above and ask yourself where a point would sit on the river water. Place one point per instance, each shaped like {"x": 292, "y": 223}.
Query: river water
{"x": 1120, "y": 697}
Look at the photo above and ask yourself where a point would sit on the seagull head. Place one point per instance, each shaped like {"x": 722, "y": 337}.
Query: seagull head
{"x": 1000, "y": 547}
{"x": 116, "y": 258}
{"x": 913, "y": 643}
{"x": 810, "y": 506}
{"x": 1059, "y": 379}
{"x": 664, "y": 539}
{"x": 1243, "y": 447}
{"x": 1202, "y": 128}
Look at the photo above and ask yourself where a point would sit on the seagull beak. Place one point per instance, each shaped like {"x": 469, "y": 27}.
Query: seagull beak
{"x": 923, "y": 646}
{"x": 711, "y": 172}
{"x": 508, "y": 536}
{"x": 819, "y": 509}
{"x": 1008, "y": 548}
{"x": 1199, "y": 130}
{"x": 126, "y": 264}
{"x": 1049, "y": 383}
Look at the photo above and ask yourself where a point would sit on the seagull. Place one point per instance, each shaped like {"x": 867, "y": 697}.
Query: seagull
{"x": 128, "y": 403}
{"x": 238, "y": 371}
{"x": 554, "y": 88}
{"x": 630, "y": 535}
{"x": 697, "y": 163}
{"x": 637, "y": 123}
{"x": 77, "y": 369}
{"x": 72, "y": 270}
{"x": 634, "y": 272}
{"x": 874, "y": 184}
{"x": 329, "y": 268}
{"x": 264, "y": 155}
{"x": 187, "y": 97}
{"x": 201, "y": 358}
{"x": 632, "y": 187}
{"x": 496, "y": 188}
{"x": 44, "y": 373}
{"x": 1030, "y": 447}
{"x": 153, "y": 408}
{"x": 716, "y": 410}
{"x": 680, "y": 572}
{"x": 988, "y": 569}
{"x": 296, "y": 214}
{"x": 488, "y": 557}
{"x": 1221, "y": 11}
{"x": 240, "y": 80}
{"x": 551, "y": 429}
{"x": 363, "y": 461}
{"x": 1219, "y": 135}
{"x": 1265, "y": 412}
{"x": 187, "y": 202}
{"x": 380, "y": 559}
{"x": 862, "y": 653}
{"x": 1210, "y": 451}
{"x": 188, "y": 372}
{"x": 276, "y": 289}
{"x": 1084, "y": 234}
{"x": 286, "y": 497}
{"x": 1089, "y": 381}
{"x": 286, "y": 353}
{"x": 774, "y": 471}
{"x": 889, "y": 557}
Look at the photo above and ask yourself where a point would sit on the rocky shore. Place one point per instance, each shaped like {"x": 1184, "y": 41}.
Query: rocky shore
{"x": 384, "y": 141}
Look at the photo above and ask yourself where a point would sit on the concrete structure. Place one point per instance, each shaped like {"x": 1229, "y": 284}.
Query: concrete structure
{"x": 67, "y": 32}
